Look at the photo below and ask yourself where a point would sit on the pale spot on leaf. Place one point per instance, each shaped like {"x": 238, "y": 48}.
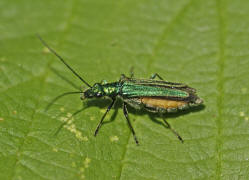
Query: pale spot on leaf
{"x": 114, "y": 138}
{"x": 45, "y": 50}
{"x": 55, "y": 149}
{"x": 87, "y": 162}
{"x": 242, "y": 114}
{"x": 244, "y": 90}
{"x": 73, "y": 164}
{"x": 62, "y": 109}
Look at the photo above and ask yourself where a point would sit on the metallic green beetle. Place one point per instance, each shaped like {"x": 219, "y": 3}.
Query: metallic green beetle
{"x": 153, "y": 95}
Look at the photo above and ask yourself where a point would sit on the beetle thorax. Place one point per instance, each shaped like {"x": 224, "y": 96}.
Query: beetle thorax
{"x": 111, "y": 89}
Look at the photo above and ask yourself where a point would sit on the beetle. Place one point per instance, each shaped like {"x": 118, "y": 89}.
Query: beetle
{"x": 157, "y": 96}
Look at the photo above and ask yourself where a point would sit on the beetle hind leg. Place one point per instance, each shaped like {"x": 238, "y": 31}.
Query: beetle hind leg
{"x": 169, "y": 126}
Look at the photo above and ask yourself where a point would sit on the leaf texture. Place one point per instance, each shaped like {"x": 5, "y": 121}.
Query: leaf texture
{"x": 201, "y": 43}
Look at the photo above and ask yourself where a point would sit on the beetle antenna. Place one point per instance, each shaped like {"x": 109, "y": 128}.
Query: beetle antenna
{"x": 60, "y": 96}
{"x": 62, "y": 60}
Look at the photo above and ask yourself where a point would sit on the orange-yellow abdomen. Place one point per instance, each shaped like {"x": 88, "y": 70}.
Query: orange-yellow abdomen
{"x": 162, "y": 103}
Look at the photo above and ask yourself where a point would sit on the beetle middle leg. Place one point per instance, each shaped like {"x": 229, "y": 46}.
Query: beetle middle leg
{"x": 129, "y": 123}
{"x": 103, "y": 117}
{"x": 153, "y": 76}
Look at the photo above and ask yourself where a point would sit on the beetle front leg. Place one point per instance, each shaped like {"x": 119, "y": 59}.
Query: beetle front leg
{"x": 103, "y": 117}
{"x": 153, "y": 76}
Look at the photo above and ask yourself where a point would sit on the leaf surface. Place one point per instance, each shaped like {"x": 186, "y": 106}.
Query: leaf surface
{"x": 201, "y": 43}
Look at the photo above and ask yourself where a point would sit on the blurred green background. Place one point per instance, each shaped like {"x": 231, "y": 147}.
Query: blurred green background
{"x": 202, "y": 43}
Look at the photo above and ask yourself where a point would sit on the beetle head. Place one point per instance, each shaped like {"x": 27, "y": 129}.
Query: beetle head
{"x": 95, "y": 91}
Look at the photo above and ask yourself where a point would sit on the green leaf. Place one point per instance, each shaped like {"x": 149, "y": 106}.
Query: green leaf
{"x": 204, "y": 44}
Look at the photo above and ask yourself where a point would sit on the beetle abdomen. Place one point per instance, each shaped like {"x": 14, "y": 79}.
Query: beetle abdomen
{"x": 161, "y": 103}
